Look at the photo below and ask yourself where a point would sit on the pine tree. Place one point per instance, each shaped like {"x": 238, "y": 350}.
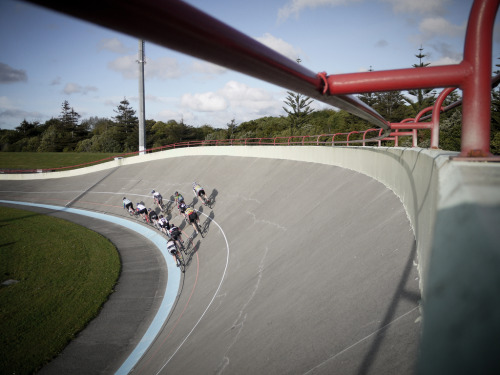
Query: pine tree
{"x": 127, "y": 126}
{"x": 298, "y": 108}
{"x": 424, "y": 97}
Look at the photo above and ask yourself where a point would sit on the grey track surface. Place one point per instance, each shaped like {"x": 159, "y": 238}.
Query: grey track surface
{"x": 321, "y": 275}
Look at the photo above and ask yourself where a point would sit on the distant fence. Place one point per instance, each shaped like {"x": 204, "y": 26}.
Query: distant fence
{"x": 362, "y": 137}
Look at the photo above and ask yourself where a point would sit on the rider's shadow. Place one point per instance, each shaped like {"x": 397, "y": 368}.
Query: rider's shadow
{"x": 169, "y": 204}
{"x": 193, "y": 251}
{"x": 207, "y": 222}
{"x": 182, "y": 225}
{"x": 212, "y": 196}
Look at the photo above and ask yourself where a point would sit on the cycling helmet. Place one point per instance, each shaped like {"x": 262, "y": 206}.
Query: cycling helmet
{"x": 152, "y": 192}
{"x": 176, "y": 193}
{"x": 124, "y": 198}
{"x": 138, "y": 203}
{"x": 161, "y": 216}
{"x": 149, "y": 209}
{"x": 195, "y": 183}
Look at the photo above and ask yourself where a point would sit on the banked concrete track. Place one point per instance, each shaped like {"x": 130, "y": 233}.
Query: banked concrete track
{"x": 305, "y": 268}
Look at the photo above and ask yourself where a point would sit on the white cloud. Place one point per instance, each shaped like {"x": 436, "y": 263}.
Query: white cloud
{"x": 207, "y": 68}
{"x": 419, "y": 6}
{"x": 234, "y": 100}
{"x": 205, "y": 102}
{"x": 280, "y": 46}
{"x": 126, "y": 65}
{"x": 252, "y": 99}
{"x": 445, "y": 60}
{"x": 113, "y": 45}
{"x": 6, "y": 103}
{"x": 436, "y": 26}
{"x": 162, "y": 68}
{"x": 294, "y": 7}
{"x": 74, "y": 88}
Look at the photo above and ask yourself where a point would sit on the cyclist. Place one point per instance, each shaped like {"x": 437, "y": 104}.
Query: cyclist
{"x": 200, "y": 192}
{"x": 182, "y": 209}
{"x": 128, "y": 205}
{"x": 178, "y": 198}
{"x": 142, "y": 210}
{"x": 163, "y": 224}
{"x": 192, "y": 217}
{"x": 153, "y": 217}
{"x": 172, "y": 249}
{"x": 175, "y": 234}
{"x": 157, "y": 198}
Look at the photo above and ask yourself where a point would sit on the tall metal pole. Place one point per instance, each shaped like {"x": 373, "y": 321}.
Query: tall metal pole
{"x": 142, "y": 115}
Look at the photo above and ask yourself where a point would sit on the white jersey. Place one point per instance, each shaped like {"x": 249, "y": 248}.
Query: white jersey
{"x": 197, "y": 189}
{"x": 156, "y": 195}
{"x": 126, "y": 201}
{"x": 141, "y": 207}
{"x": 163, "y": 222}
{"x": 171, "y": 247}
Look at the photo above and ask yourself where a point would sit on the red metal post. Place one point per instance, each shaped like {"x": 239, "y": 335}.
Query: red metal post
{"x": 476, "y": 88}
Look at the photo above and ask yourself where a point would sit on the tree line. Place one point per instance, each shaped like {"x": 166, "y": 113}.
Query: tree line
{"x": 119, "y": 134}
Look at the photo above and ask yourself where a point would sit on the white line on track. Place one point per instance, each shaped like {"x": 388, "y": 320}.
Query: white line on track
{"x": 209, "y": 304}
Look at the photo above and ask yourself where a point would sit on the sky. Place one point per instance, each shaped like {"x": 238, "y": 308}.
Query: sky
{"x": 47, "y": 58}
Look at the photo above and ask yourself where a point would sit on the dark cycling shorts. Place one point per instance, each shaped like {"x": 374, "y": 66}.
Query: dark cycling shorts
{"x": 129, "y": 206}
{"x": 143, "y": 211}
{"x": 201, "y": 192}
{"x": 192, "y": 217}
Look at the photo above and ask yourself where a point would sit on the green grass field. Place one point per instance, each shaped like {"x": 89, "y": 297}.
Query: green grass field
{"x": 64, "y": 274}
{"x": 46, "y": 160}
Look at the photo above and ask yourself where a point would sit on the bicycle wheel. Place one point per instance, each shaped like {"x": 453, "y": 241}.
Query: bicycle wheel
{"x": 198, "y": 229}
{"x": 181, "y": 246}
{"x": 180, "y": 257}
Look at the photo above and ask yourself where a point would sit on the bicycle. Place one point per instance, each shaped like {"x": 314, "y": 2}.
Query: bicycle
{"x": 206, "y": 201}
{"x": 179, "y": 244}
{"x": 180, "y": 258}
{"x": 159, "y": 203}
{"x": 198, "y": 229}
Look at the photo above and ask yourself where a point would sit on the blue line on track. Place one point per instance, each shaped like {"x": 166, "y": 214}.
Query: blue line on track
{"x": 172, "y": 287}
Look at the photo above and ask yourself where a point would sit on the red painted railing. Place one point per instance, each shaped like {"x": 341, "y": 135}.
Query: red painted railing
{"x": 188, "y": 30}
{"x": 300, "y": 140}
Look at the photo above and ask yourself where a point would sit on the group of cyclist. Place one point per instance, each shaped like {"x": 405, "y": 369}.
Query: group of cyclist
{"x": 175, "y": 241}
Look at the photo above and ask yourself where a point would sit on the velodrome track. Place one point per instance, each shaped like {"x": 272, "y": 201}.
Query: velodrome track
{"x": 305, "y": 268}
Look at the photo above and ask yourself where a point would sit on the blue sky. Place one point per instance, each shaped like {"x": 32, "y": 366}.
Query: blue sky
{"x": 47, "y": 58}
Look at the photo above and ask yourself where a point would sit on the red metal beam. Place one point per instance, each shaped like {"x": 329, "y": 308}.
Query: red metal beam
{"x": 179, "y": 26}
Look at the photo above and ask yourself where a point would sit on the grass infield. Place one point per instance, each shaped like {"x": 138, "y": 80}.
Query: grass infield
{"x": 47, "y": 160}
{"x": 62, "y": 274}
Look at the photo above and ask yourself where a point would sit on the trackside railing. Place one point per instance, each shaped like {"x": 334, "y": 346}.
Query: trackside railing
{"x": 299, "y": 140}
